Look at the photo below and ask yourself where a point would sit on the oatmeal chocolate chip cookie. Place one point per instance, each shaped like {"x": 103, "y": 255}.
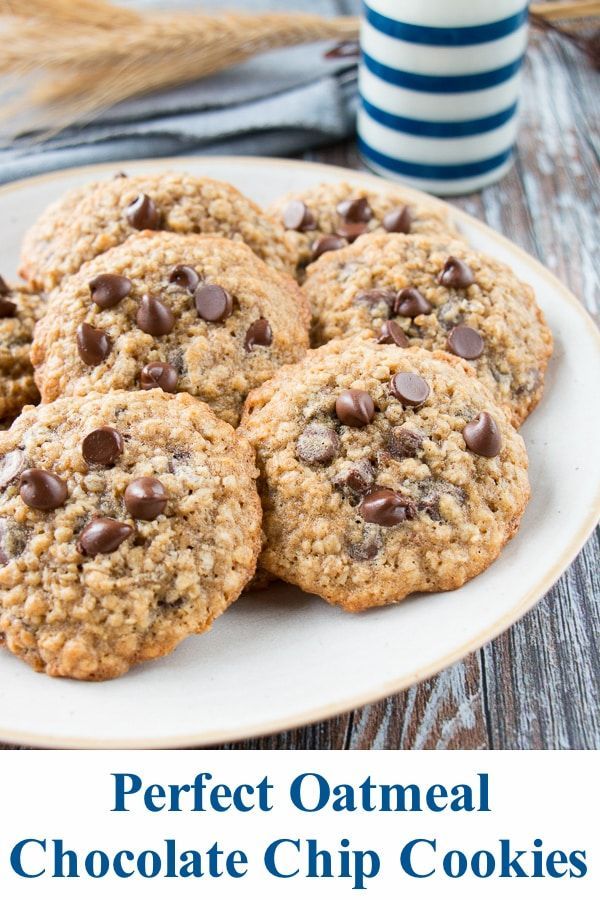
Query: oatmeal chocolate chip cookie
{"x": 331, "y": 216}
{"x": 92, "y": 219}
{"x": 441, "y": 295}
{"x": 383, "y": 471}
{"x": 180, "y": 312}
{"x": 20, "y": 308}
{"x": 128, "y": 521}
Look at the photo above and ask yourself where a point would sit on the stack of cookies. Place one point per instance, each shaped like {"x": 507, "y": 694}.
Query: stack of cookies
{"x": 186, "y": 433}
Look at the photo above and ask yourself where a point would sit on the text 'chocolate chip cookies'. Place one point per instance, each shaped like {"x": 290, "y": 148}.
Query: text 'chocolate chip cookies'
{"x": 179, "y": 312}
{"x": 90, "y": 220}
{"x": 441, "y": 295}
{"x": 128, "y": 521}
{"x": 384, "y": 471}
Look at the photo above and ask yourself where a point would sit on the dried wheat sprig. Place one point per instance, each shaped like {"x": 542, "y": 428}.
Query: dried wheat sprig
{"x": 90, "y": 13}
{"x": 82, "y": 61}
{"x": 565, "y": 9}
{"x": 70, "y": 59}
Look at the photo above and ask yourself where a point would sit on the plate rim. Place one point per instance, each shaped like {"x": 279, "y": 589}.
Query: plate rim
{"x": 388, "y": 688}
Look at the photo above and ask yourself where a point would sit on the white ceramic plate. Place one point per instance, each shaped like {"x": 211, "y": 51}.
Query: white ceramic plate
{"x": 281, "y": 658}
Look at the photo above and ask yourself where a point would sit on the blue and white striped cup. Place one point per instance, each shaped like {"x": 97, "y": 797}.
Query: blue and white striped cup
{"x": 439, "y": 87}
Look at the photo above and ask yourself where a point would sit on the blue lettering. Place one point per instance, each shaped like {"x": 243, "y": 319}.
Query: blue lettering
{"x": 271, "y": 864}
{"x": 577, "y": 860}
{"x": 296, "y": 792}
{"x": 134, "y": 785}
{"x": 16, "y": 861}
{"x": 406, "y": 858}
{"x": 60, "y": 856}
{"x": 102, "y": 868}
{"x": 510, "y": 865}
{"x": 461, "y": 867}
{"x": 120, "y": 871}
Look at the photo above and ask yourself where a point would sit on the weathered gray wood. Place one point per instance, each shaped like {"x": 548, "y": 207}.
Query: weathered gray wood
{"x": 538, "y": 685}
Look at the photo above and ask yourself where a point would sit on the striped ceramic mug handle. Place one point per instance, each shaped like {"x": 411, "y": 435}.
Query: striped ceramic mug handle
{"x": 439, "y": 87}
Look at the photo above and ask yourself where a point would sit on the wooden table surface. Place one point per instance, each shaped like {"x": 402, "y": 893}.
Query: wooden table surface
{"x": 538, "y": 685}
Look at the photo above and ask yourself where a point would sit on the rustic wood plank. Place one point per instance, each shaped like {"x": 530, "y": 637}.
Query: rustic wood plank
{"x": 444, "y": 713}
{"x": 538, "y": 682}
{"x": 543, "y": 675}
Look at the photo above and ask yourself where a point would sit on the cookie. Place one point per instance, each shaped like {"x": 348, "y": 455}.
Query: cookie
{"x": 441, "y": 295}
{"x": 260, "y": 581}
{"x": 128, "y": 521}
{"x": 330, "y": 216}
{"x": 180, "y": 312}
{"x": 20, "y": 308}
{"x": 92, "y": 219}
{"x": 383, "y": 471}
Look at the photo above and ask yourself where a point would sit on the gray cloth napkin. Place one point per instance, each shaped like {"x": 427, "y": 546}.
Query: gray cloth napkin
{"x": 278, "y": 103}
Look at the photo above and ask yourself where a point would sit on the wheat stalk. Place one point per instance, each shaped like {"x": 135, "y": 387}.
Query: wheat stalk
{"x": 69, "y": 59}
{"x": 565, "y": 9}
{"x": 75, "y": 59}
{"x": 94, "y": 13}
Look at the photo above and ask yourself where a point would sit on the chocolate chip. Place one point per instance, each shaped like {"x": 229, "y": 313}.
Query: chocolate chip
{"x": 176, "y": 358}
{"x": 317, "y": 444}
{"x": 431, "y": 491}
{"x": 357, "y": 210}
{"x": 298, "y": 217}
{"x": 366, "y": 550}
{"x": 391, "y": 333}
{"x": 482, "y": 436}
{"x": 456, "y": 274}
{"x": 8, "y": 309}
{"x": 93, "y": 345}
{"x": 450, "y": 313}
{"x": 258, "y": 335}
{"x": 143, "y": 213}
{"x": 465, "y": 342}
{"x": 351, "y": 230}
{"x": 355, "y": 408}
{"x": 159, "y": 375}
{"x": 154, "y": 317}
{"x": 375, "y": 297}
{"x": 145, "y": 498}
{"x": 385, "y": 507}
{"x": 107, "y": 290}
{"x": 431, "y": 508}
{"x": 4, "y": 288}
{"x": 11, "y": 467}
{"x": 411, "y": 302}
{"x": 103, "y": 446}
{"x": 409, "y": 388}
{"x": 358, "y": 476}
{"x": 213, "y": 303}
{"x": 41, "y": 489}
{"x": 186, "y": 277}
{"x": 103, "y": 535}
{"x": 180, "y": 461}
{"x": 403, "y": 443}
{"x": 398, "y": 220}
{"x": 13, "y": 540}
{"x": 326, "y": 243}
